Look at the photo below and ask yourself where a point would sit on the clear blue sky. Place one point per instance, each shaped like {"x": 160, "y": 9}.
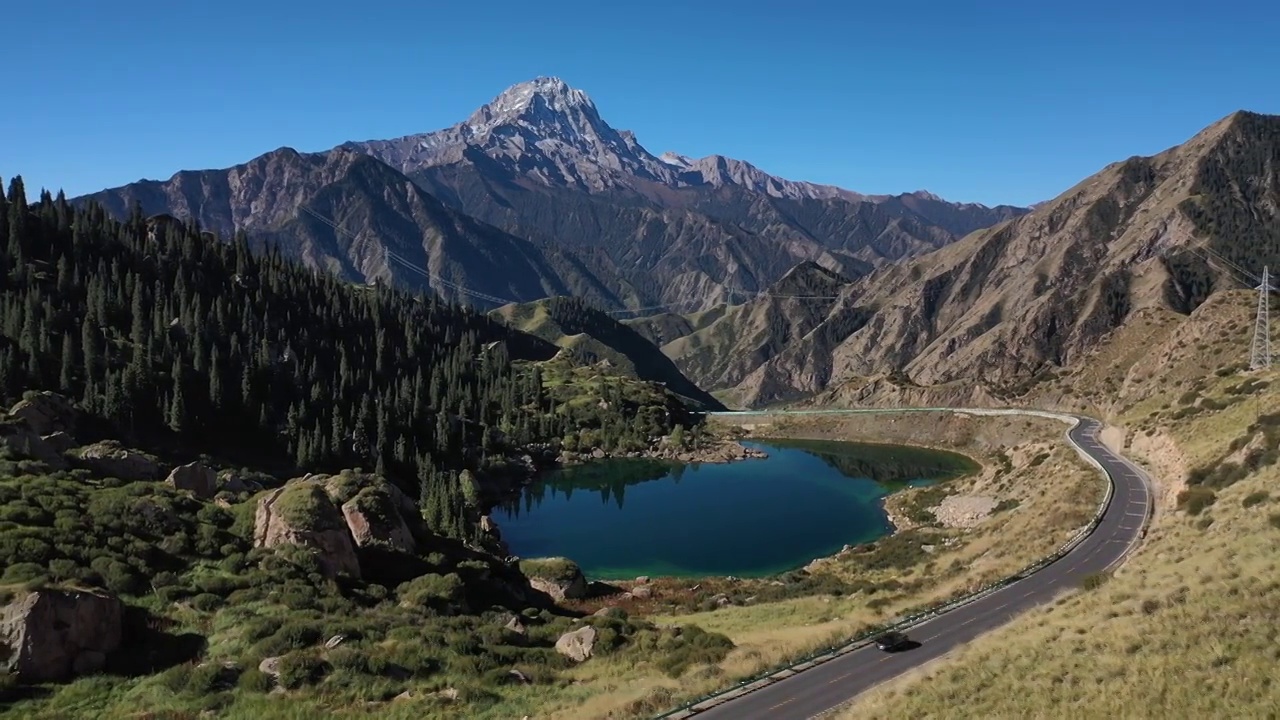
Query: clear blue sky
{"x": 989, "y": 102}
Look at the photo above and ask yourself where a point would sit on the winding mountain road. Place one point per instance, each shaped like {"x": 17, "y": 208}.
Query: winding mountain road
{"x": 801, "y": 695}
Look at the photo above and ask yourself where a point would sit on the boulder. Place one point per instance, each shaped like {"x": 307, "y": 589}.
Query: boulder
{"x": 46, "y": 412}
{"x": 23, "y": 442}
{"x": 373, "y": 516}
{"x": 578, "y": 644}
{"x": 196, "y": 478}
{"x": 113, "y": 459}
{"x": 301, "y": 513}
{"x": 642, "y": 592}
{"x": 515, "y": 625}
{"x": 234, "y": 482}
{"x": 60, "y": 441}
{"x": 51, "y": 635}
{"x": 271, "y": 666}
{"x": 560, "y": 578}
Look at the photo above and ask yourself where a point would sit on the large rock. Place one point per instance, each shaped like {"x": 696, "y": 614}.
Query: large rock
{"x": 113, "y": 459}
{"x": 578, "y": 644}
{"x": 50, "y": 635}
{"x": 60, "y": 441}
{"x": 23, "y": 442}
{"x": 301, "y": 513}
{"x": 195, "y": 477}
{"x": 374, "y": 517}
{"x": 560, "y": 578}
{"x": 47, "y": 413}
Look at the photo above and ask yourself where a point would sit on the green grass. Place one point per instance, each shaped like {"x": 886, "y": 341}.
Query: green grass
{"x": 204, "y": 608}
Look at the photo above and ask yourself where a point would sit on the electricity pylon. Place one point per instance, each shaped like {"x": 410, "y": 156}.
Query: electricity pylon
{"x": 1260, "y": 356}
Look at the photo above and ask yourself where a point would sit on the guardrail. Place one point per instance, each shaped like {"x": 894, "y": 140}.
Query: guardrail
{"x": 706, "y": 702}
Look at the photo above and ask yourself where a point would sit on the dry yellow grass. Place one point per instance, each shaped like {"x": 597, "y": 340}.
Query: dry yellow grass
{"x": 1188, "y": 627}
{"x": 1056, "y": 496}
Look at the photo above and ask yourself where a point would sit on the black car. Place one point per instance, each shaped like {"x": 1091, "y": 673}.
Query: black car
{"x": 892, "y": 641}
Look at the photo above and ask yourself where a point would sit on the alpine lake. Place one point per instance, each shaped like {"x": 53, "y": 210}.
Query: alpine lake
{"x": 622, "y": 518}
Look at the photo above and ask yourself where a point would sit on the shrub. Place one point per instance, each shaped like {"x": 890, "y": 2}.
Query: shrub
{"x": 1255, "y": 498}
{"x": 1093, "y": 581}
{"x": 1006, "y": 504}
{"x": 1195, "y": 499}
{"x": 206, "y": 602}
{"x": 432, "y": 590}
{"x": 301, "y": 668}
{"x": 1274, "y": 519}
{"x": 292, "y": 635}
{"x": 254, "y": 680}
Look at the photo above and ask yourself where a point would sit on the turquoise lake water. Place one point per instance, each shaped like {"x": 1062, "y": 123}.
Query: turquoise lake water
{"x": 622, "y": 518}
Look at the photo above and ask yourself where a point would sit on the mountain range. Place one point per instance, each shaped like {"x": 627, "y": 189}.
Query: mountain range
{"x": 535, "y": 195}
{"x": 978, "y": 319}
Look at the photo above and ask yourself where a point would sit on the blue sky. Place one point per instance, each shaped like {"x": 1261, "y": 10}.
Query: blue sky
{"x": 986, "y": 102}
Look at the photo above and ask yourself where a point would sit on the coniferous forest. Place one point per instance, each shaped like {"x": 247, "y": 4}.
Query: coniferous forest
{"x": 179, "y": 339}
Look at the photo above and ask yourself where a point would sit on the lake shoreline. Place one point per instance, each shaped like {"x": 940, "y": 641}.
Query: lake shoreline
{"x": 905, "y": 464}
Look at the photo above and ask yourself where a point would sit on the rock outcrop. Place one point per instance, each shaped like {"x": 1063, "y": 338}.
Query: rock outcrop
{"x": 51, "y": 635}
{"x": 23, "y": 442}
{"x": 47, "y": 413}
{"x": 113, "y": 459}
{"x": 578, "y": 644}
{"x": 560, "y": 578}
{"x": 196, "y": 478}
{"x": 374, "y": 516}
{"x": 303, "y": 514}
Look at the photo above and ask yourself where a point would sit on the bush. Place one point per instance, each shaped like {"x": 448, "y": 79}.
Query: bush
{"x": 1093, "y": 581}
{"x": 206, "y": 602}
{"x": 292, "y": 635}
{"x": 1274, "y": 519}
{"x": 1255, "y": 498}
{"x": 435, "y": 591}
{"x": 301, "y": 668}
{"x": 1195, "y": 499}
{"x": 1006, "y": 504}
{"x": 254, "y": 680}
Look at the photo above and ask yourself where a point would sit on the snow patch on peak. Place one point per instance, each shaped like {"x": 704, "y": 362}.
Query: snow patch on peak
{"x": 676, "y": 159}
{"x": 552, "y": 92}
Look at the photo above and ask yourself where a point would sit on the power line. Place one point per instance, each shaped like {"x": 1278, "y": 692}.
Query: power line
{"x": 1260, "y": 353}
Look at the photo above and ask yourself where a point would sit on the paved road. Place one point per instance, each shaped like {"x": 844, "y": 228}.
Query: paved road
{"x": 836, "y": 681}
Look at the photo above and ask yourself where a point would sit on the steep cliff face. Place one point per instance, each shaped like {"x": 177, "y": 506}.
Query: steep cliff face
{"x": 348, "y": 213}
{"x": 1039, "y": 292}
{"x": 600, "y": 217}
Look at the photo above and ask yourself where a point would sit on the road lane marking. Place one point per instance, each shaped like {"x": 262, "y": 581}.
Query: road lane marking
{"x": 784, "y": 702}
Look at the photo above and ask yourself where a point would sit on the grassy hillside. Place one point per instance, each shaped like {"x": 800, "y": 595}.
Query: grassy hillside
{"x": 319, "y": 546}
{"x": 1031, "y": 296}
{"x": 594, "y": 336}
{"x": 1187, "y": 626}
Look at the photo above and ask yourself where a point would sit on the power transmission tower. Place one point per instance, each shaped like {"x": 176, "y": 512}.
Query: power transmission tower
{"x": 1260, "y": 356}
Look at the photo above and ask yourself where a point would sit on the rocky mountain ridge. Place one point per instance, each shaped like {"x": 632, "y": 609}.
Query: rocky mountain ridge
{"x": 600, "y": 216}
{"x": 1037, "y": 293}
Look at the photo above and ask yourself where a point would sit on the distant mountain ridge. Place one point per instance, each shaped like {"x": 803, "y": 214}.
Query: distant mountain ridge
{"x": 583, "y": 209}
{"x": 1021, "y": 300}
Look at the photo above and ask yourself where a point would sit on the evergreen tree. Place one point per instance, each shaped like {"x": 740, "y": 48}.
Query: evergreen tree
{"x": 269, "y": 363}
